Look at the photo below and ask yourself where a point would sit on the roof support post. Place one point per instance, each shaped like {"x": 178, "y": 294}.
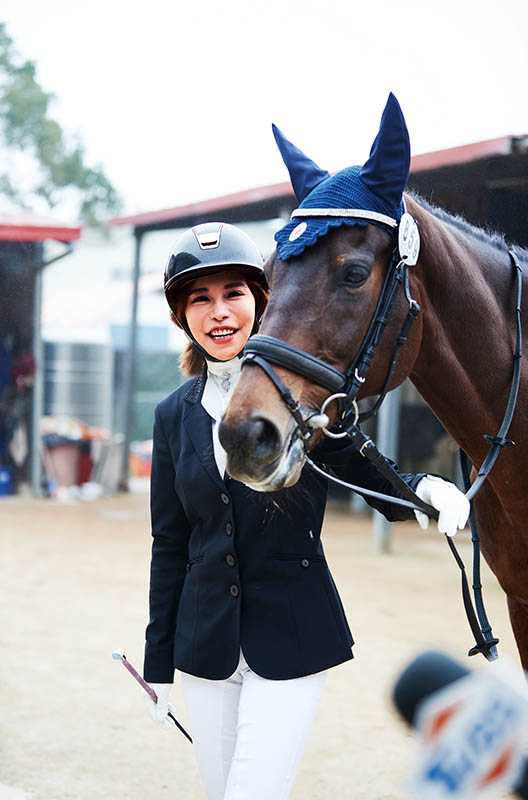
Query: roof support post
{"x": 130, "y": 371}
{"x": 37, "y": 404}
{"x": 387, "y": 443}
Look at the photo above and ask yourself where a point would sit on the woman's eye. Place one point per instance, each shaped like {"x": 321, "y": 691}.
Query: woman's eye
{"x": 235, "y": 293}
{"x": 355, "y": 275}
{"x": 199, "y": 298}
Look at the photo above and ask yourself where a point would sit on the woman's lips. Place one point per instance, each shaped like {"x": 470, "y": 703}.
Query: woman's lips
{"x": 224, "y": 339}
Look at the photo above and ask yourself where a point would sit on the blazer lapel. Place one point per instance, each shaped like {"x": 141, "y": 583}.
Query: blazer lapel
{"x": 199, "y": 427}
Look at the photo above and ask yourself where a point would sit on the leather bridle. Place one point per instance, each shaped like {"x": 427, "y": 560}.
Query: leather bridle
{"x": 263, "y": 351}
{"x": 344, "y": 386}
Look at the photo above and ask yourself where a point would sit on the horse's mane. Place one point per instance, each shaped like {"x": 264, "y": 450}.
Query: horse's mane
{"x": 491, "y": 238}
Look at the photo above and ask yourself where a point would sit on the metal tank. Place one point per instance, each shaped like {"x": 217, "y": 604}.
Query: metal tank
{"x": 78, "y": 382}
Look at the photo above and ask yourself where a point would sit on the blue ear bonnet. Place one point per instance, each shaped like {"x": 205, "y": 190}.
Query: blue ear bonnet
{"x": 371, "y": 194}
{"x": 346, "y": 189}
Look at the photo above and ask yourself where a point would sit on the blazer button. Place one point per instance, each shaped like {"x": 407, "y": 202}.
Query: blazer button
{"x": 234, "y": 590}
{"x": 230, "y": 559}
{"x": 225, "y": 498}
{"x": 305, "y": 563}
{"x": 229, "y": 528}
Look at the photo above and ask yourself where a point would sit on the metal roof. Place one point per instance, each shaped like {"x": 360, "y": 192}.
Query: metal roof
{"x": 462, "y": 154}
{"x": 265, "y": 201}
{"x": 214, "y": 204}
{"x": 31, "y": 228}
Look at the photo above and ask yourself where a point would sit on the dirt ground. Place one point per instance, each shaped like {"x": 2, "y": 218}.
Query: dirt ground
{"x": 73, "y": 723}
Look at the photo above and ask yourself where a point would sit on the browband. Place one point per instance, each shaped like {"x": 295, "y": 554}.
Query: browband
{"x": 355, "y": 213}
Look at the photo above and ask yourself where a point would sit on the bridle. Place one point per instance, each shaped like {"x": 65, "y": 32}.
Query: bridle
{"x": 345, "y": 386}
{"x": 263, "y": 351}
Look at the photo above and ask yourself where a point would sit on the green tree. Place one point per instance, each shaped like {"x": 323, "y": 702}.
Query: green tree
{"x": 27, "y": 127}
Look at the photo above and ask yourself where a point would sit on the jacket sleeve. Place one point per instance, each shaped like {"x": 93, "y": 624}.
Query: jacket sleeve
{"x": 348, "y": 465}
{"x": 170, "y": 536}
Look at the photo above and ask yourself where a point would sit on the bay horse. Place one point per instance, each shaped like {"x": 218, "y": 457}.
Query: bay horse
{"x": 458, "y": 354}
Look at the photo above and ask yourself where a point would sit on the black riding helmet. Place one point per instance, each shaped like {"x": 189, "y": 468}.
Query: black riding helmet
{"x": 208, "y": 248}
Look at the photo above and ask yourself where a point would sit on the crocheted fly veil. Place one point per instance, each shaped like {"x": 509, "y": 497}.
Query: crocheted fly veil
{"x": 355, "y": 195}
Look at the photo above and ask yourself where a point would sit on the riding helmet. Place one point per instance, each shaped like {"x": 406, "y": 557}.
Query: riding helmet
{"x": 208, "y": 248}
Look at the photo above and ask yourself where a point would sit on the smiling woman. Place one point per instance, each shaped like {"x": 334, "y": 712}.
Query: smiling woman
{"x": 217, "y": 292}
{"x": 242, "y": 602}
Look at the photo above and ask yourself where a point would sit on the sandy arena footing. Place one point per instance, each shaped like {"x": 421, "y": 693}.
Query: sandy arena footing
{"x": 74, "y": 725}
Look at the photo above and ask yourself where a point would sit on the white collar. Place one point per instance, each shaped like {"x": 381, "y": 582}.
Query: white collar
{"x": 222, "y": 377}
{"x": 224, "y": 368}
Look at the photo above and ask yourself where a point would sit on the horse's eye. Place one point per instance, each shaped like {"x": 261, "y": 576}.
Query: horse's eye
{"x": 355, "y": 275}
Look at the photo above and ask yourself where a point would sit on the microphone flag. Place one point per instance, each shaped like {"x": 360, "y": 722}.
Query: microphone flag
{"x": 472, "y": 736}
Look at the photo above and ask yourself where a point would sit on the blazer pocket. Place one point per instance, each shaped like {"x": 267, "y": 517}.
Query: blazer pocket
{"x": 297, "y": 565}
{"x": 311, "y": 557}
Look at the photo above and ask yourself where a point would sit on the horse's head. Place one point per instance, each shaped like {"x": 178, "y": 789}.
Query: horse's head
{"x": 325, "y": 277}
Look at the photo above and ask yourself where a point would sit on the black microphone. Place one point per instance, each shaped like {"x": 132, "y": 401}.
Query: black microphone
{"x": 428, "y": 674}
{"x": 424, "y": 676}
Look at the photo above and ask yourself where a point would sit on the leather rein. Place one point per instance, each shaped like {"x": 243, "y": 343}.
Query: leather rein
{"x": 263, "y": 351}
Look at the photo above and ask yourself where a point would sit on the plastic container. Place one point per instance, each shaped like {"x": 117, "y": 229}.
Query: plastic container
{"x": 61, "y": 459}
{"x": 6, "y": 481}
{"x": 85, "y": 468}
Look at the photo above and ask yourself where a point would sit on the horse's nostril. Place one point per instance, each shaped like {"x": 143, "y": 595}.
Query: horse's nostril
{"x": 257, "y": 440}
{"x": 265, "y": 436}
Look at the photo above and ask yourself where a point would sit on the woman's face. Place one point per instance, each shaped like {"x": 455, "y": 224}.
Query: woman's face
{"x": 220, "y": 311}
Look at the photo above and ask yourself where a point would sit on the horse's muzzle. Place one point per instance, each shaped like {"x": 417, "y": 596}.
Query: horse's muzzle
{"x": 257, "y": 455}
{"x": 254, "y": 444}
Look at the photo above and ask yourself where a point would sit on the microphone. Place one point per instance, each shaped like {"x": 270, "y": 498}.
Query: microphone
{"x": 472, "y": 726}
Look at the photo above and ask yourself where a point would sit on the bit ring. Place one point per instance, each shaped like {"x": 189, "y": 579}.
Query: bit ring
{"x": 329, "y": 400}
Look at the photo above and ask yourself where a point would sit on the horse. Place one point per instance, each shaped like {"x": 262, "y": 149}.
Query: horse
{"x": 458, "y": 353}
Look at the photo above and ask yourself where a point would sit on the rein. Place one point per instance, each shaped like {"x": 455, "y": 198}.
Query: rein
{"x": 262, "y": 351}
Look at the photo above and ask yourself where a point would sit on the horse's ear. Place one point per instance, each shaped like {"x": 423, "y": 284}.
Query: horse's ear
{"x": 304, "y": 173}
{"x": 387, "y": 168}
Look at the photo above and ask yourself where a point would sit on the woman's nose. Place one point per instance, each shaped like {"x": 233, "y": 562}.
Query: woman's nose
{"x": 220, "y": 310}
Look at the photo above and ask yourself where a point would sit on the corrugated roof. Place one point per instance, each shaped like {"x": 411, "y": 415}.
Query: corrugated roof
{"x": 277, "y": 191}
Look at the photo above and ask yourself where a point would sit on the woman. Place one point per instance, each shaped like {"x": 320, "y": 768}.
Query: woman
{"x": 241, "y": 599}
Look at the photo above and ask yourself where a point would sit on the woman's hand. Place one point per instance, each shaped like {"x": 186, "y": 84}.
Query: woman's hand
{"x": 443, "y": 495}
{"x": 159, "y": 711}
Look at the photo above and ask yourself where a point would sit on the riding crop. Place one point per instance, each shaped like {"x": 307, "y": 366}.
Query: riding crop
{"x": 118, "y": 655}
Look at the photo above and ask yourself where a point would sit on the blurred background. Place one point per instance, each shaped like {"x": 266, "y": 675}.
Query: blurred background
{"x": 120, "y": 125}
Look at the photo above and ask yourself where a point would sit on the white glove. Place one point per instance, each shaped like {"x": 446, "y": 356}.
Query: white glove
{"x": 452, "y": 504}
{"x": 159, "y": 711}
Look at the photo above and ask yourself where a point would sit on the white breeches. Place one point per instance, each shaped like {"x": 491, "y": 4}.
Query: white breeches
{"x": 250, "y": 732}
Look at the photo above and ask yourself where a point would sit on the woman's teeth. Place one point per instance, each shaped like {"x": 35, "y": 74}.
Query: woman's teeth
{"x": 223, "y": 333}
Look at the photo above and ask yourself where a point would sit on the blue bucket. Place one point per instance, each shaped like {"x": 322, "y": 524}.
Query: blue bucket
{"x": 6, "y": 481}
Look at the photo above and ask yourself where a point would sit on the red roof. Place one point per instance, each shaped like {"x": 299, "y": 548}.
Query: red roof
{"x": 419, "y": 163}
{"x": 30, "y": 228}
{"x": 461, "y": 154}
{"x": 234, "y": 200}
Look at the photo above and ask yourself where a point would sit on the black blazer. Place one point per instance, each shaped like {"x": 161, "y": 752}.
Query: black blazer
{"x": 235, "y": 568}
